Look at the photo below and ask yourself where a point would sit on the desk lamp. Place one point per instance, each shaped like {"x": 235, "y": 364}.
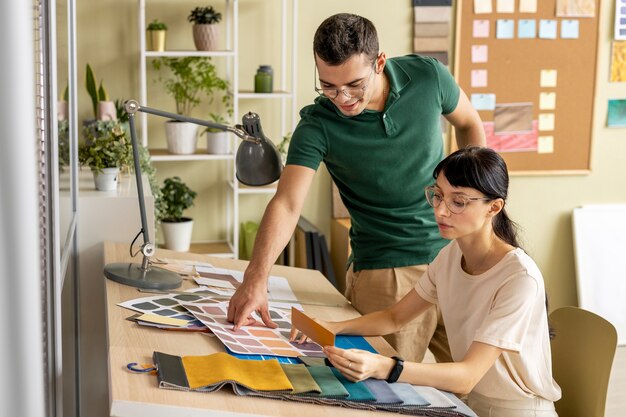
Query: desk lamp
{"x": 257, "y": 163}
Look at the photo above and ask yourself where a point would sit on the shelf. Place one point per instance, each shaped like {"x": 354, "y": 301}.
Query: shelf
{"x": 156, "y": 54}
{"x": 218, "y": 249}
{"x": 247, "y": 94}
{"x": 245, "y": 189}
{"x": 163, "y": 155}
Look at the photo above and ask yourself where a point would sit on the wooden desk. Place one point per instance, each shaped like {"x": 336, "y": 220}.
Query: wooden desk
{"x": 137, "y": 395}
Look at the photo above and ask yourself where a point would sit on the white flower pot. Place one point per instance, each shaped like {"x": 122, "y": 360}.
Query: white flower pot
{"x": 107, "y": 179}
{"x": 177, "y": 235}
{"x": 217, "y": 143}
{"x": 181, "y": 137}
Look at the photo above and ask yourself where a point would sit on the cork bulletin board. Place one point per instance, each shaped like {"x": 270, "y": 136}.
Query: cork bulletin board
{"x": 529, "y": 68}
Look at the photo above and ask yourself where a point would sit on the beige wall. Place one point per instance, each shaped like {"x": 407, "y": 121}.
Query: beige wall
{"x": 107, "y": 39}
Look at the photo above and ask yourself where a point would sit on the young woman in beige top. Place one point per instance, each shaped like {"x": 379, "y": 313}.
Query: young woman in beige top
{"x": 491, "y": 296}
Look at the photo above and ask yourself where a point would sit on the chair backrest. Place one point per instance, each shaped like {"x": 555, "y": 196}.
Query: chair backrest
{"x": 582, "y": 354}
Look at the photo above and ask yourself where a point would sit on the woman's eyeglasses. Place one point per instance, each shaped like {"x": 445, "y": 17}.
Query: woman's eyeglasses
{"x": 455, "y": 203}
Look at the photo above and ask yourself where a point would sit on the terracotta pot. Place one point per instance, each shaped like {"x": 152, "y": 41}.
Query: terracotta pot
{"x": 106, "y": 110}
{"x": 205, "y": 37}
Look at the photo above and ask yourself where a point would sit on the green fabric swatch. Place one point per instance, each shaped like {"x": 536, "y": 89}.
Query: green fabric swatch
{"x": 301, "y": 379}
{"x": 357, "y": 391}
{"x": 329, "y": 384}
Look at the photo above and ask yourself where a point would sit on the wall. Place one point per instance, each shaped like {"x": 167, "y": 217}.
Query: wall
{"x": 541, "y": 205}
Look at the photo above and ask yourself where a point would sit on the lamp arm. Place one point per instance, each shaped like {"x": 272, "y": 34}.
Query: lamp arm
{"x": 133, "y": 106}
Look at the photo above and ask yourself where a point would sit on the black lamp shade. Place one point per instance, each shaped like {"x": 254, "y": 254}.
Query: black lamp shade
{"x": 257, "y": 163}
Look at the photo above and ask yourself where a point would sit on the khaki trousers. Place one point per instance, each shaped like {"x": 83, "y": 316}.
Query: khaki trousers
{"x": 372, "y": 290}
{"x": 490, "y": 407}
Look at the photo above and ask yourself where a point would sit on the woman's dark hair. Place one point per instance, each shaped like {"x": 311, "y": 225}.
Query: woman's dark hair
{"x": 484, "y": 170}
{"x": 343, "y": 35}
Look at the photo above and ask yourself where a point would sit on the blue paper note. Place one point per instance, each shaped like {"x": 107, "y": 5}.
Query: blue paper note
{"x": 569, "y": 29}
{"x": 527, "y": 29}
{"x": 617, "y": 113}
{"x": 505, "y": 29}
{"x": 484, "y": 101}
{"x": 547, "y": 29}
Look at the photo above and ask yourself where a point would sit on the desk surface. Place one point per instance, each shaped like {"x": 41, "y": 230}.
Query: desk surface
{"x": 138, "y": 395}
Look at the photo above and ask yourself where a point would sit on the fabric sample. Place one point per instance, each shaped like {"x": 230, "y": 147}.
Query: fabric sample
{"x": 300, "y": 378}
{"x": 431, "y": 30}
{"x": 408, "y": 395}
{"x": 441, "y": 56}
{"x": 311, "y": 361}
{"x": 432, "y": 13}
{"x": 382, "y": 391}
{"x": 357, "y": 391}
{"x": 257, "y": 375}
{"x": 431, "y": 44}
{"x": 328, "y": 382}
{"x": 432, "y": 2}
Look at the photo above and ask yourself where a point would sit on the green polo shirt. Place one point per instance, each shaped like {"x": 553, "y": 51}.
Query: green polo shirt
{"x": 381, "y": 162}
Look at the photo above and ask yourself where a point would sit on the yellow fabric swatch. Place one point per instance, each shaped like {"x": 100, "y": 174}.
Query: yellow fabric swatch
{"x": 207, "y": 370}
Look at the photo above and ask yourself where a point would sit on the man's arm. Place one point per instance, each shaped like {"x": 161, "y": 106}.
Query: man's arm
{"x": 275, "y": 231}
{"x": 468, "y": 128}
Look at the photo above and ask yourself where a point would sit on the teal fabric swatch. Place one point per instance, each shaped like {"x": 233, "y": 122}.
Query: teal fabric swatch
{"x": 328, "y": 382}
{"x": 357, "y": 391}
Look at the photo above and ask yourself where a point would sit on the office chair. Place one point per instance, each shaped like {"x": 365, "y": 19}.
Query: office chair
{"x": 582, "y": 354}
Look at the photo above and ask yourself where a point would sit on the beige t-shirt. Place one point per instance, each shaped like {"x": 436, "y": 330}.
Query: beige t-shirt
{"x": 503, "y": 307}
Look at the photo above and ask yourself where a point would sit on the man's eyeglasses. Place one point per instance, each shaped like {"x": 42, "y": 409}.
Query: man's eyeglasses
{"x": 456, "y": 203}
{"x": 349, "y": 92}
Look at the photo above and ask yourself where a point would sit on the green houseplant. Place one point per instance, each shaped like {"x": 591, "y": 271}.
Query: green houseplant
{"x": 105, "y": 148}
{"x": 103, "y": 107}
{"x": 176, "y": 197}
{"x": 205, "y": 20}
{"x": 190, "y": 79}
{"x": 157, "y": 31}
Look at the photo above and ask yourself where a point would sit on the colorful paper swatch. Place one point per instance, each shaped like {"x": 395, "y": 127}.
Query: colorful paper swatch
{"x": 511, "y": 142}
{"x": 314, "y": 331}
{"x": 480, "y": 28}
{"x": 618, "y": 62}
{"x": 620, "y": 20}
{"x": 480, "y": 53}
{"x": 253, "y": 340}
{"x": 616, "y": 113}
{"x": 548, "y": 78}
{"x": 527, "y": 29}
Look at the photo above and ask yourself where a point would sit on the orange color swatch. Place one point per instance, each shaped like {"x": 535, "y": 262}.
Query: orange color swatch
{"x": 315, "y": 331}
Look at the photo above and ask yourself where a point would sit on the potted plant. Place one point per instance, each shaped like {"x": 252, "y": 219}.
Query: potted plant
{"x": 217, "y": 140}
{"x": 205, "y": 20}
{"x": 156, "y": 35}
{"x": 103, "y": 107}
{"x": 105, "y": 149}
{"x": 176, "y": 197}
{"x": 283, "y": 147}
{"x": 191, "y": 78}
{"x": 62, "y": 109}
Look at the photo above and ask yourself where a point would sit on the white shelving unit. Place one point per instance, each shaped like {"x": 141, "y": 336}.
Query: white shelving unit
{"x": 285, "y": 93}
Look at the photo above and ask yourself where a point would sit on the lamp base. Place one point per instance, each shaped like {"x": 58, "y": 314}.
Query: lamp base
{"x": 131, "y": 274}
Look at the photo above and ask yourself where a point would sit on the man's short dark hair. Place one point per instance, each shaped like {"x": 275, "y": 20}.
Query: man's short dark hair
{"x": 343, "y": 35}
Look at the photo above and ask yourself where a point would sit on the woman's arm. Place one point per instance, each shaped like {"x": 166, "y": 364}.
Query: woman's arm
{"x": 458, "y": 377}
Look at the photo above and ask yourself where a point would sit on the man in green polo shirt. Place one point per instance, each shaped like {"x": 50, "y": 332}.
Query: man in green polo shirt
{"x": 376, "y": 126}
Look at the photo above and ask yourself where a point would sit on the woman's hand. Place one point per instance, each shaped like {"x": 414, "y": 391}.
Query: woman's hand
{"x": 357, "y": 365}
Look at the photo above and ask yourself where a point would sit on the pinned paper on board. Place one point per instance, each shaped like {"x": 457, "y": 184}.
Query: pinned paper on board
{"x": 513, "y": 118}
{"x": 570, "y": 29}
{"x": 511, "y": 142}
{"x": 505, "y": 6}
{"x": 479, "y": 78}
{"x": 484, "y": 101}
{"x": 480, "y": 53}
{"x": 528, "y": 6}
{"x": 575, "y": 8}
{"x": 547, "y": 29}
{"x": 618, "y": 62}
{"x": 505, "y": 29}
{"x": 616, "y": 113}
{"x": 548, "y": 78}
{"x": 620, "y": 20}
{"x": 481, "y": 29}
{"x": 527, "y": 29}
{"x": 545, "y": 144}
{"x": 482, "y": 6}
{"x": 546, "y": 121}
{"x": 547, "y": 101}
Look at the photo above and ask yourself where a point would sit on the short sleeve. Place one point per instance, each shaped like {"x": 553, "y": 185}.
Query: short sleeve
{"x": 510, "y": 315}
{"x": 308, "y": 142}
{"x": 426, "y": 286}
{"x": 449, "y": 90}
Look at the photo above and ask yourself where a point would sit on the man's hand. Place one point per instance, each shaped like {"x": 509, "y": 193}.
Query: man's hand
{"x": 250, "y": 296}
